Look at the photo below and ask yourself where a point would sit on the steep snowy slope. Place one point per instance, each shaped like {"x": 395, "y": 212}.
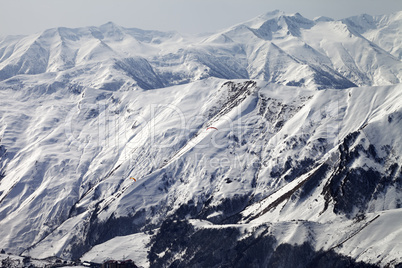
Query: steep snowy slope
{"x": 385, "y": 31}
{"x": 226, "y": 136}
{"x": 279, "y": 154}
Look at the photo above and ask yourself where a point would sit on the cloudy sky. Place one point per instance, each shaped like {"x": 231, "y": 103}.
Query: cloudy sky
{"x": 186, "y": 16}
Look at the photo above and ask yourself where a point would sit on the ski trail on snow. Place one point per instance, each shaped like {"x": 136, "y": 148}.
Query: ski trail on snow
{"x": 189, "y": 145}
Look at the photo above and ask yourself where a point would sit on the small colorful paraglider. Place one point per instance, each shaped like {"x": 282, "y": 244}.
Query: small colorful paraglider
{"x": 132, "y": 178}
{"x": 211, "y": 128}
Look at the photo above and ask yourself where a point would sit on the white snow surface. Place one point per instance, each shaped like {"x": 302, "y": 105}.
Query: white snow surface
{"x": 83, "y": 110}
{"x": 130, "y": 247}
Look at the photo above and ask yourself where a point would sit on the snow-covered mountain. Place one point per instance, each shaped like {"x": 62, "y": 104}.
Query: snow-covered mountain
{"x": 279, "y": 48}
{"x": 272, "y": 143}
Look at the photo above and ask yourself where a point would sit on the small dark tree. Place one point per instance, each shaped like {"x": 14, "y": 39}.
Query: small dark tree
{"x": 7, "y": 263}
{"x": 26, "y": 260}
{"x": 2, "y": 251}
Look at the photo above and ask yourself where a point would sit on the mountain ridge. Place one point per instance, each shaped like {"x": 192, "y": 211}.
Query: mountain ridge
{"x": 63, "y": 49}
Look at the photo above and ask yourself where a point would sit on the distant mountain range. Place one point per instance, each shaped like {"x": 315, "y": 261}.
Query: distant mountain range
{"x": 278, "y": 48}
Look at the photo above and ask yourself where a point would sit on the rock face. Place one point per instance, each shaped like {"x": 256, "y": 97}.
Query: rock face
{"x": 274, "y": 143}
{"x": 200, "y": 248}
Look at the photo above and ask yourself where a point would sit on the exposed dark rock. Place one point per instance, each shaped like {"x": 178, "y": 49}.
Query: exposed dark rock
{"x": 301, "y": 167}
{"x": 179, "y": 244}
{"x": 351, "y": 188}
{"x": 229, "y": 208}
{"x": 3, "y": 156}
{"x": 314, "y": 181}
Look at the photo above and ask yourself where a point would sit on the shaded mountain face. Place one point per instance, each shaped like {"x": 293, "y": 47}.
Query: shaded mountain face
{"x": 273, "y": 143}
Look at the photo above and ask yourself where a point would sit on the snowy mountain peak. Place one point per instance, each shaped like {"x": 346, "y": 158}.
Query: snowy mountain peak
{"x": 278, "y": 17}
{"x": 111, "y": 29}
{"x": 323, "y": 19}
{"x": 384, "y": 31}
{"x": 267, "y": 16}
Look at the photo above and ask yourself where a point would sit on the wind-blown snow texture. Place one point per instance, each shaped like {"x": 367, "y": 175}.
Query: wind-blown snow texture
{"x": 274, "y": 142}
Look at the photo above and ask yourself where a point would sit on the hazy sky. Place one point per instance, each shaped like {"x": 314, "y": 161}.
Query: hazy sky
{"x": 186, "y": 16}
